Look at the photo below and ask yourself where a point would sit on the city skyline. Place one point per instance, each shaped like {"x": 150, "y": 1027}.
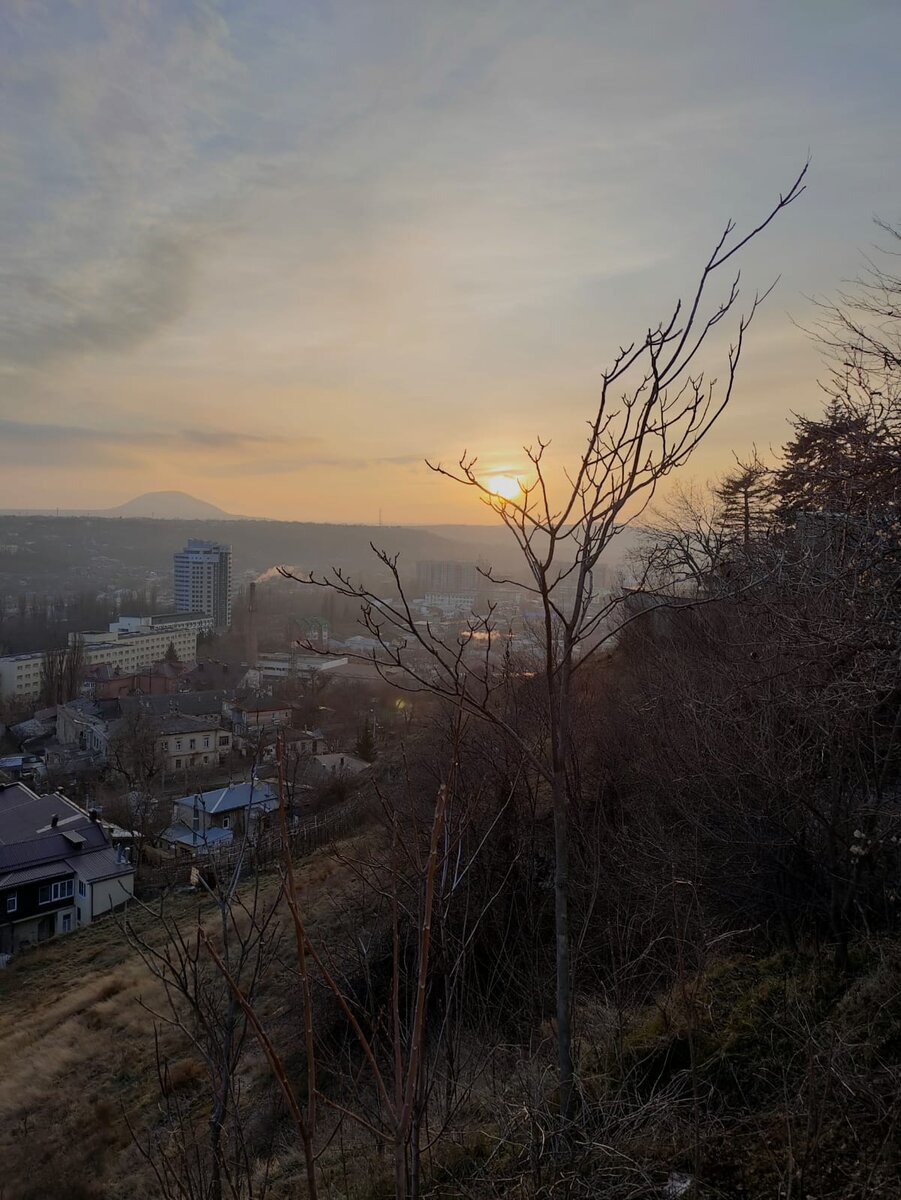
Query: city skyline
{"x": 276, "y": 258}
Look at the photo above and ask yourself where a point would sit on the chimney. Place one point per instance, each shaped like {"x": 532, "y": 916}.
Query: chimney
{"x": 251, "y": 648}
{"x": 54, "y": 821}
{"x": 93, "y": 815}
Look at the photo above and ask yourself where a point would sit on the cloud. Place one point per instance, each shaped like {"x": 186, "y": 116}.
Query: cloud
{"x": 283, "y": 465}
{"x": 112, "y": 199}
{"x": 396, "y": 225}
{"x": 54, "y": 319}
{"x": 25, "y": 431}
{"x": 402, "y": 460}
{"x": 24, "y": 442}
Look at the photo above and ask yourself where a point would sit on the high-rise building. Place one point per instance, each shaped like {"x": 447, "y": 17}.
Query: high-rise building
{"x": 446, "y": 578}
{"x": 203, "y": 581}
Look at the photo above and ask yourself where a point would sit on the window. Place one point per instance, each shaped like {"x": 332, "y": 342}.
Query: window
{"x": 206, "y": 743}
{"x": 178, "y": 762}
{"x": 49, "y": 893}
{"x": 192, "y": 744}
{"x": 82, "y": 890}
{"x": 226, "y": 822}
{"x": 223, "y": 741}
{"x": 12, "y": 903}
{"x": 178, "y": 743}
{"x": 67, "y": 922}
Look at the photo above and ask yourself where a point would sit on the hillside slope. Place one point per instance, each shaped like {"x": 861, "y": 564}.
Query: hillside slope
{"x": 78, "y": 1052}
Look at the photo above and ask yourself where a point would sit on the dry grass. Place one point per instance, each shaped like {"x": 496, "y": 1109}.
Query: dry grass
{"x": 78, "y": 1053}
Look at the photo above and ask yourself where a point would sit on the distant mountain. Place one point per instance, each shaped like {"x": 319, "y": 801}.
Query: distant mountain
{"x": 170, "y": 506}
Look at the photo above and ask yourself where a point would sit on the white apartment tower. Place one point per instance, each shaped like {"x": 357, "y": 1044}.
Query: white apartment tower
{"x": 203, "y": 581}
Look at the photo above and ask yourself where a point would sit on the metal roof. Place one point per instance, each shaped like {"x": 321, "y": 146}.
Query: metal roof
{"x": 51, "y": 870}
{"x": 99, "y": 864}
{"x": 228, "y": 799}
{"x": 51, "y": 847}
{"x": 185, "y": 836}
{"x": 25, "y": 816}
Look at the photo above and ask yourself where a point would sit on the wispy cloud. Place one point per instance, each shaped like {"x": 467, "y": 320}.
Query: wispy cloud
{"x": 238, "y": 451}
{"x": 25, "y": 431}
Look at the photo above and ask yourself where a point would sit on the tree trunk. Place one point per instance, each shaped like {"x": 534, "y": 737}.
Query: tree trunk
{"x": 561, "y": 929}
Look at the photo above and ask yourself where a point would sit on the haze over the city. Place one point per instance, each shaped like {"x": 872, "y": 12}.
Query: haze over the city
{"x": 275, "y": 255}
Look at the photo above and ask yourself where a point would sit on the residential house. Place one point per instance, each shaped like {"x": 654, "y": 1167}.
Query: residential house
{"x": 300, "y": 744}
{"x": 208, "y": 820}
{"x": 188, "y": 727}
{"x": 57, "y": 868}
{"x": 192, "y": 741}
{"x": 103, "y": 682}
{"x": 248, "y": 718}
{"x": 336, "y": 766}
{"x": 209, "y": 673}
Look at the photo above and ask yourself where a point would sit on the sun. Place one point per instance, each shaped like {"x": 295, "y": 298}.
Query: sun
{"x": 503, "y": 486}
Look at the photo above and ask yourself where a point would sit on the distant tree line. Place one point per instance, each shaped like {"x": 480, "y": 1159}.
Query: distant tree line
{"x": 32, "y": 621}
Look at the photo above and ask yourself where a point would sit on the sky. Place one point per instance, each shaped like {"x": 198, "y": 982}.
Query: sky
{"x": 276, "y": 253}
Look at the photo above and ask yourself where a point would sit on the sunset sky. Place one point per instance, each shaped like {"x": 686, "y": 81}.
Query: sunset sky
{"x": 274, "y": 253}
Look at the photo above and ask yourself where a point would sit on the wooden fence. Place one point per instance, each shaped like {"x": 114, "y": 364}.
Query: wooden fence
{"x": 256, "y": 853}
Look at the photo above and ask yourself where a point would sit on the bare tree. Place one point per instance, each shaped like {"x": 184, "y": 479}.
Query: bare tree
{"x": 62, "y": 672}
{"x": 861, "y": 329}
{"x": 136, "y": 756}
{"x": 655, "y": 406}
{"x": 201, "y": 1006}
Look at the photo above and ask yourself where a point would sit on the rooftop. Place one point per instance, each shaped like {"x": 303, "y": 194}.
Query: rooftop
{"x": 186, "y": 723}
{"x": 184, "y": 703}
{"x": 185, "y": 836}
{"x": 52, "y": 847}
{"x": 24, "y": 815}
{"x": 172, "y": 618}
{"x": 227, "y": 799}
{"x": 100, "y": 864}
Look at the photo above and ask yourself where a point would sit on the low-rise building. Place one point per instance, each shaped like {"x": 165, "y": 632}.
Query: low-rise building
{"x": 249, "y": 717}
{"x": 210, "y": 820}
{"x": 187, "y": 741}
{"x": 58, "y": 869}
{"x": 270, "y": 668}
{"x": 104, "y": 682}
{"x": 187, "y": 729}
{"x": 131, "y": 649}
{"x": 336, "y": 766}
{"x": 166, "y": 623}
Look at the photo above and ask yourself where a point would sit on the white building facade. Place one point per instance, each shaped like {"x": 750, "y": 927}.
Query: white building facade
{"x": 130, "y": 650}
{"x": 203, "y": 580}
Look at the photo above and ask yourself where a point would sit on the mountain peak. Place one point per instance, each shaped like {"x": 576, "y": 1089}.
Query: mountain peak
{"x": 179, "y": 506}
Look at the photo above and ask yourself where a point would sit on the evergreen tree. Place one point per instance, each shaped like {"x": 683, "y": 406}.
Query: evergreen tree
{"x": 366, "y": 743}
{"x": 746, "y": 496}
{"x": 848, "y": 461}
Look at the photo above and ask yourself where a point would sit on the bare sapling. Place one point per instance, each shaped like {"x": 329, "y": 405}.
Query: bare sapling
{"x": 656, "y": 404}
